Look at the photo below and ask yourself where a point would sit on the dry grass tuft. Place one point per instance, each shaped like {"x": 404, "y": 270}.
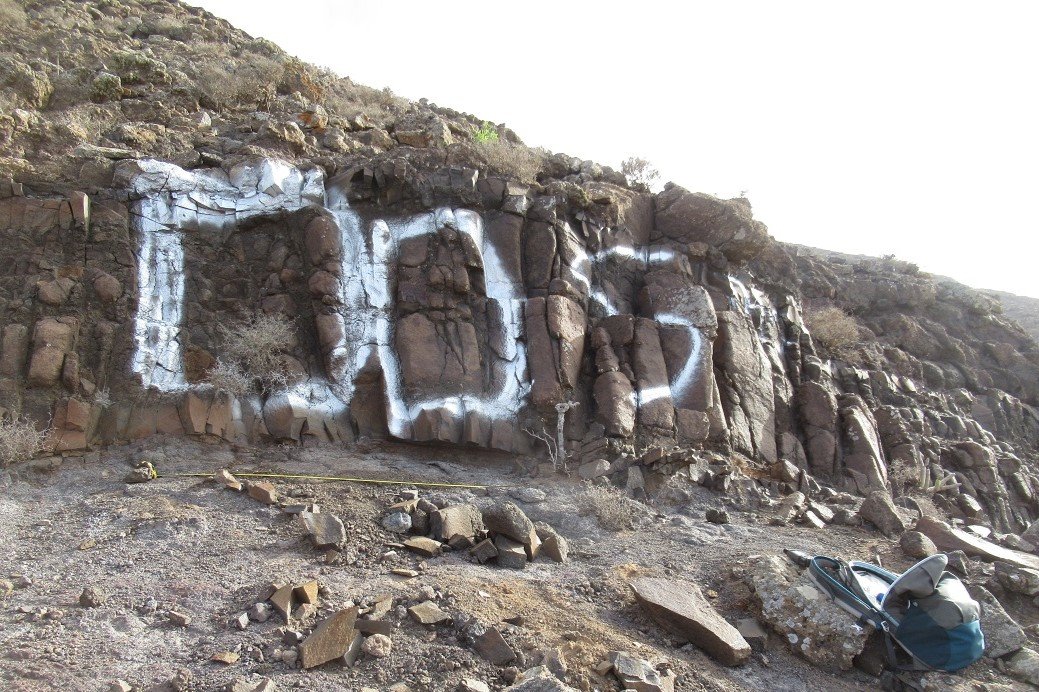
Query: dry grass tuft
{"x": 833, "y": 329}
{"x": 613, "y": 509}
{"x": 254, "y": 349}
{"x": 20, "y": 440}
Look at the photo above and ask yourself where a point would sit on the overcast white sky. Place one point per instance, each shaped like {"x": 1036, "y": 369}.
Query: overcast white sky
{"x": 873, "y": 127}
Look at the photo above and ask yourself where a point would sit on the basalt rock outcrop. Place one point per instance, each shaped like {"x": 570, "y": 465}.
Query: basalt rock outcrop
{"x": 440, "y": 293}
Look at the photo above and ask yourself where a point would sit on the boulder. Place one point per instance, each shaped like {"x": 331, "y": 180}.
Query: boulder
{"x": 948, "y": 538}
{"x": 916, "y": 545}
{"x": 1002, "y": 634}
{"x": 1024, "y": 666}
{"x": 809, "y": 620}
{"x": 681, "y": 608}
{"x": 507, "y": 519}
{"x": 879, "y": 510}
{"x": 692, "y": 217}
{"x": 457, "y": 520}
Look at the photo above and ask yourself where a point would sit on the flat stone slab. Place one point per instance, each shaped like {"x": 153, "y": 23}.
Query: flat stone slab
{"x": 948, "y": 538}
{"x": 681, "y": 608}
{"x": 330, "y": 640}
{"x": 428, "y": 613}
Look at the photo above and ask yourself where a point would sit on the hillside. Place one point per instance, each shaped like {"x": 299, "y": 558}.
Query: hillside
{"x": 221, "y": 261}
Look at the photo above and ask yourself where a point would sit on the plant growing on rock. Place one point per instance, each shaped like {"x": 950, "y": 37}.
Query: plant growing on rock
{"x": 834, "y": 330}
{"x": 486, "y": 133}
{"x": 20, "y": 440}
{"x": 639, "y": 172}
{"x": 510, "y": 160}
{"x": 612, "y": 508}
{"x": 254, "y": 350}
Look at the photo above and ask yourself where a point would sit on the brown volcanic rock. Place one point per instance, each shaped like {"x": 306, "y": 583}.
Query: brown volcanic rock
{"x": 681, "y": 608}
{"x": 330, "y": 639}
{"x": 729, "y": 225}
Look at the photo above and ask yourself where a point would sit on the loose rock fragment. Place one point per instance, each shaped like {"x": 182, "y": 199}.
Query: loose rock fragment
{"x": 917, "y": 545}
{"x": 396, "y": 522}
{"x": 426, "y": 547}
{"x": 456, "y": 520}
{"x": 225, "y": 657}
{"x": 224, "y": 477}
{"x": 493, "y": 647}
{"x": 485, "y": 550}
{"x": 330, "y": 640}
{"x": 510, "y": 553}
{"x": 879, "y": 510}
{"x": 264, "y": 492}
{"x": 326, "y": 530}
{"x": 428, "y": 613}
{"x": 552, "y": 544}
{"x": 179, "y": 619}
{"x": 92, "y": 598}
{"x": 682, "y": 609}
{"x": 307, "y": 592}
{"x": 637, "y": 674}
{"x": 377, "y": 646}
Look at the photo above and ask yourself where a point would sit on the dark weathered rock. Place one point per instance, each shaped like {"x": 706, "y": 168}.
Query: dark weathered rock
{"x": 879, "y": 510}
{"x": 456, "y": 520}
{"x": 1002, "y": 634}
{"x": 948, "y": 538}
{"x": 682, "y": 609}
{"x": 493, "y": 647}
{"x": 729, "y": 225}
{"x": 917, "y": 545}
{"x": 507, "y": 519}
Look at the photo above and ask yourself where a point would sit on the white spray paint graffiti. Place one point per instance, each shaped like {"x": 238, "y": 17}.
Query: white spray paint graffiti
{"x": 172, "y": 201}
{"x": 646, "y": 257}
{"x": 368, "y": 302}
{"x": 754, "y": 303}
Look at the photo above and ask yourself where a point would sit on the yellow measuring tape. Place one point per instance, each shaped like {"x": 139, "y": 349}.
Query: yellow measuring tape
{"x": 326, "y": 478}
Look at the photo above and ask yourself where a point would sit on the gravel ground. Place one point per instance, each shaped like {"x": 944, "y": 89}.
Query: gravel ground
{"x": 188, "y": 545}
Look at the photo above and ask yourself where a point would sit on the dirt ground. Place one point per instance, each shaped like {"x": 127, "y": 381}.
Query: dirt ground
{"x": 186, "y": 544}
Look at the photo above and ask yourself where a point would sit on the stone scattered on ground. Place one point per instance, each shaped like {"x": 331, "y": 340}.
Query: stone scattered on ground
{"x": 330, "y": 640}
{"x": 92, "y": 597}
{"x": 426, "y": 547}
{"x": 326, "y": 530}
{"x": 428, "y": 613}
{"x": 263, "y": 491}
{"x": 949, "y": 538}
{"x": 1002, "y": 634}
{"x": 681, "y": 608}
{"x": 377, "y": 646}
{"x": 225, "y": 478}
{"x": 493, "y": 647}
{"x": 1023, "y": 666}
{"x": 637, "y": 674}
{"x": 879, "y": 510}
{"x": 917, "y": 545}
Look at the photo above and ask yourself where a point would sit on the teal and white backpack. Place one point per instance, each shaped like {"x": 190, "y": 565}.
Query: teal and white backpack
{"x": 926, "y": 610}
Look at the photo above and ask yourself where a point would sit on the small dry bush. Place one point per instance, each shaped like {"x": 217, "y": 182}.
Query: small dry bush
{"x": 510, "y": 160}
{"x": 254, "y": 349}
{"x": 833, "y": 329}
{"x": 612, "y": 508}
{"x": 19, "y": 440}
{"x": 229, "y": 378}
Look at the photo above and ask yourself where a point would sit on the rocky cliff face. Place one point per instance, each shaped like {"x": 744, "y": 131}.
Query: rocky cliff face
{"x": 447, "y": 291}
